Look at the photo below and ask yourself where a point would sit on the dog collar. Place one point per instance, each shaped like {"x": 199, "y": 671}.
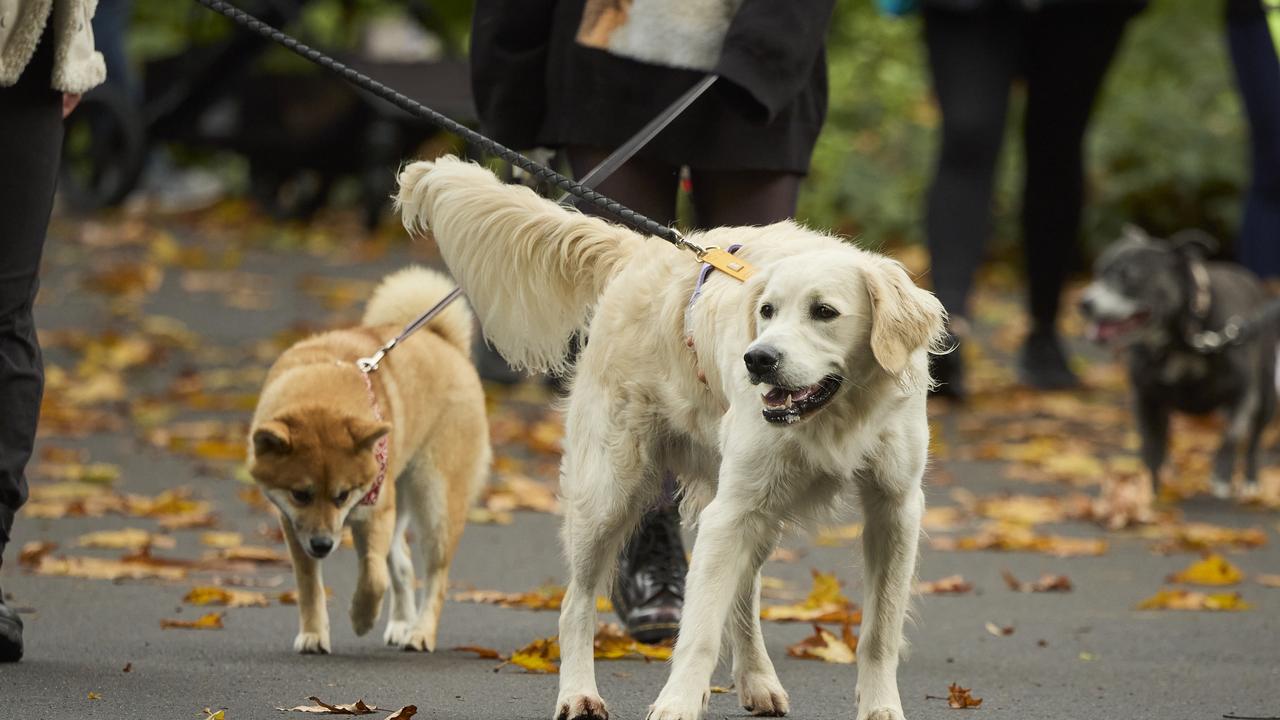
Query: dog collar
{"x": 380, "y": 448}
{"x": 705, "y": 273}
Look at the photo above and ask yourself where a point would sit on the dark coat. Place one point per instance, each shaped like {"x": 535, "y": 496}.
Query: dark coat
{"x": 972, "y": 5}
{"x": 534, "y": 85}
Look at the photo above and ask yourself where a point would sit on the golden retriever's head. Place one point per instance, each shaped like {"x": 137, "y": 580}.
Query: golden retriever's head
{"x": 827, "y": 318}
{"x": 315, "y": 464}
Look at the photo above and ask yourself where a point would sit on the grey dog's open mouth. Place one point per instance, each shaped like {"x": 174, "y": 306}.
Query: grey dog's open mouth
{"x": 1105, "y": 330}
{"x": 787, "y": 405}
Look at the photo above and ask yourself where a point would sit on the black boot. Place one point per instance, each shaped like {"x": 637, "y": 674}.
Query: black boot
{"x": 10, "y": 633}
{"x": 948, "y": 371}
{"x": 1043, "y": 364}
{"x": 649, "y": 592}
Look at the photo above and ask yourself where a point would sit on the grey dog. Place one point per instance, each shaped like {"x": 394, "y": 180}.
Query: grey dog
{"x": 1155, "y": 298}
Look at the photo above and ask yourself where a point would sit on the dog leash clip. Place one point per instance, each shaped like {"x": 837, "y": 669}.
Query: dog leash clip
{"x": 725, "y": 262}
{"x": 369, "y": 364}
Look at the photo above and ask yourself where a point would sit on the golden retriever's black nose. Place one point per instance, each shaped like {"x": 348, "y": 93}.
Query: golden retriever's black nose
{"x": 762, "y": 360}
{"x": 321, "y": 546}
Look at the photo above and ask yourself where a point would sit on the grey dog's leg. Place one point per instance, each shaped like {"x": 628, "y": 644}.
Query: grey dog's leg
{"x": 1153, "y": 426}
{"x": 1266, "y": 410}
{"x": 1241, "y": 419}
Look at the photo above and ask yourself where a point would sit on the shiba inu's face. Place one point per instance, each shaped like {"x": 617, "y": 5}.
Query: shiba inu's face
{"x": 316, "y": 465}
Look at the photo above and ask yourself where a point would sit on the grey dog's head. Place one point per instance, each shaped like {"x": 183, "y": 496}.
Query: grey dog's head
{"x": 1142, "y": 284}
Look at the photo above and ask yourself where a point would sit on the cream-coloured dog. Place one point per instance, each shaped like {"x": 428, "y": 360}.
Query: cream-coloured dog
{"x": 333, "y": 446}
{"x": 769, "y": 398}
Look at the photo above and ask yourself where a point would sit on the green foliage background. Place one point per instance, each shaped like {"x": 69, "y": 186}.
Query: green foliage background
{"x": 1166, "y": 151}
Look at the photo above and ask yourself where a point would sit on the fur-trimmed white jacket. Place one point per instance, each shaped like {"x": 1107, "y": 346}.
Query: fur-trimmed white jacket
{"x": 77, "y": 66}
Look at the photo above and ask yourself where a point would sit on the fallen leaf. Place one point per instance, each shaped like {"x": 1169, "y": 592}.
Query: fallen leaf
{"x": 547, "y": 597}
{"x": 838, "y": 536}
{"x": 254, "y": 554}
{"x": 1197, "y": 537}
{"x": 483, "y": 653}
{"x": 125, "y": 539}
{"x": 720, "y": 690}
{"x": 189, "y": 521}
{"x": 103, "y": 569}
{"x": 950, "y": 585}
{"x": 210, "y": 621}
{"x": 210, "y": 595}
{"x": 211, "y": 715}
{"x": 359, "y": 707}
{"x": 1168, "y": 599}
{"x": 825, "y": 604}
{"x": 1046, "y": 583}
{"x": 825, "y": 646}
{"x": 128, "y": 667}
{"x": 93, "y": 473}
{"x": 404, "y": 713}
{"x": 613, "y": 643}
{"x": 519, "y": 492}
{"x": 1016, "y": 537}
{"x": 290, "y": 597}
{"x": 1212, "y": 570}
{"x": 539, "y": 656}
{"x": 485, "y": 516}
{"x": 999, "y": 631}
{"x": 35, "y": 551}
{"x": 221, "y": 539}
{"x": 1268, "y": 580}
{"x": 959, "y": 698}
{"x": 94, "y": 696}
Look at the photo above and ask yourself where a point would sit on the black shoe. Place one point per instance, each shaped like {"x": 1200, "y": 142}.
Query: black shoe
{"x": 649, "y": 592}
{"x": 1043, "y": 364}
{"x": 948, "y": 371}
{"x": 10, "y": 633}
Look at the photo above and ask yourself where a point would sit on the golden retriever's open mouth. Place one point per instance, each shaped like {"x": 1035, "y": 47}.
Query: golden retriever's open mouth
{"x": 783, "y": 405}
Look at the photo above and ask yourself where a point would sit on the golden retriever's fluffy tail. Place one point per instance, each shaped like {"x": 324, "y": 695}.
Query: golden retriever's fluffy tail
{"x": 404, "y": 295}
{"x": 532, "y": 269}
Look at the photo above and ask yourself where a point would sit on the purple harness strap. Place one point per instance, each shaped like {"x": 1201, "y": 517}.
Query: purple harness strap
{"x": 705, "y": 273}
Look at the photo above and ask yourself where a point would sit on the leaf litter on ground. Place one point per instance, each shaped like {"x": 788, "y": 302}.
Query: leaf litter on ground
{"x": 825, "y": 604}
{"x": 826, "y": 646}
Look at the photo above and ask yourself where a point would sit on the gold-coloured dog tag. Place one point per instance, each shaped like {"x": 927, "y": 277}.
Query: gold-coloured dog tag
{"x": 727, "y": 263}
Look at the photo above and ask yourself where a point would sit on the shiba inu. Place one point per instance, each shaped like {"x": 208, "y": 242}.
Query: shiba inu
{"x": 333, "y": 446}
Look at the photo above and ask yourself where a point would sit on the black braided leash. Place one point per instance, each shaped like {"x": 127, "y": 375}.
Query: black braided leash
{"x": 624, "y": 214}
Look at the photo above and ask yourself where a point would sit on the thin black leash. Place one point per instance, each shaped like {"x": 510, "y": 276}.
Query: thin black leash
{"x": 581, "y": 190}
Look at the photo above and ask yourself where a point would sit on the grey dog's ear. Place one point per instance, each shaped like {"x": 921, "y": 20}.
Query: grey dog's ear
{"x": 904, "y": 319}
{"x": 1134, "y": 233}
{"x": 1194, "y": 242}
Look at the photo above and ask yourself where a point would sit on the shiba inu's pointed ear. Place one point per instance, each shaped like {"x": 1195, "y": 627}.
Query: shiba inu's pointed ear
{"x": 364, "y": 433}
{"x": 904, "y": 318}
{"x": 1194, "y": 242}
{"x": 271, "y": 438}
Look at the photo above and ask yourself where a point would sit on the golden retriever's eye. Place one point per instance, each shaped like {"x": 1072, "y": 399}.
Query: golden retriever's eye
{"x": 766, "y": 311}
{"x": 341, "y": 497}
{"x": 822, "y": 311}
{"x": 301, "y": 497}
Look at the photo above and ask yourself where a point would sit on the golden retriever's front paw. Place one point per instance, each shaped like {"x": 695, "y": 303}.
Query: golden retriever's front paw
{"x": 581, "y": 707}
{"x": 688, "y": 707}
{"x": 885, "y": 713}
{"x": 311, "y": 643}
{"x": 420, "y": 640}
{"x": 397, "y": 632}
{"x": 763, "y": 695}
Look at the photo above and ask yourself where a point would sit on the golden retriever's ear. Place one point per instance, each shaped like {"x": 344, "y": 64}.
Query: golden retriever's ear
{"x": 271, "y": 438}
{"x": 753, "y": 314}
{"x": 904, "y": 318}
{"x": 364, "y": 433}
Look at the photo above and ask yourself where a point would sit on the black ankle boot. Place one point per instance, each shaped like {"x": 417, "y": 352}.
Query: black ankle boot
{"x": 10, "y": 633}
{"x": 649, "y": 592}
{"x": 1043, "y": 364}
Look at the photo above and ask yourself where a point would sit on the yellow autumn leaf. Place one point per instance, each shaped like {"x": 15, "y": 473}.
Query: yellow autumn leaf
{"x": 124, "y": 539}
{"x": 539, "y": 656}
{"x": 213, "y": 595}
{"x": 1212, "y": 570}
{"x": 825, "y": 604}
{"x": 1168, "y": 599}
{"x": 221, "y": 539}
{"x": 210, "y": 621}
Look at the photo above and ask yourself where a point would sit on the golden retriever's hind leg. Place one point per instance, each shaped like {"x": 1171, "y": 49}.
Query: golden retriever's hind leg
{"x": 313, "y": 631}
{"x": 373, "y": 544}
{"x": 400, "y": 566}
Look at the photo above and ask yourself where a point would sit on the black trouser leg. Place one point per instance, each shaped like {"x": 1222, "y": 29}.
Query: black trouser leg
{"x": 30, "y": 145}
{"x": 1068, "y": 52}
{"x": 973, "y": 58}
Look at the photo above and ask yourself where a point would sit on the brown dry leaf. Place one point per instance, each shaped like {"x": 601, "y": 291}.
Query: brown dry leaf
{"x": 128, "y": 667}
{"x": 950, "y": 585}
{"x": 998, "y": 630}
{"x": 102, "y": 569}
{"x": 483, "y": 653}
{"x": 959, "y": 698}
{"x": 825, "y": 604}
{"x": 825, "y": 646}
{"x": 520, "y": 492}
{"x": 1203, "y": 536}
{"x": 212, "y": 595}
{"x": 210, "y": 621}
{"x": 189, "y": 521}
{"x": 1046, "y": 583}
{"x": 93, "y": 473}
{"x": 1022, "y": 509}
{"x": 359, "y": 707}
{"x": 126, "y": 280}
{"x": 221, "y": 540}
{"x": 1212, "y": 570}
{"x": 1168, "y": 599}
{"x": 1268, "y": 580}
{"x": 1016, "y": 537}
{"x": 35, "y": 551}
{"x": 404, "y": 713}
{"x": 167, "y": 504}
{"x": 125, "y": 539}
{"x": 252, "y": 553}
{"x": 539, "y": 656}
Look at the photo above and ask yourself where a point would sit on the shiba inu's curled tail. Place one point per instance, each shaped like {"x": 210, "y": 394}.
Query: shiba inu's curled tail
{"x": 532, "y": 269}
{"x": 405, "y": 294}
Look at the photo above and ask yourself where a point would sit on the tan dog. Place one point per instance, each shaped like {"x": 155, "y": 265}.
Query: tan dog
{"x": 325, "y": 434}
